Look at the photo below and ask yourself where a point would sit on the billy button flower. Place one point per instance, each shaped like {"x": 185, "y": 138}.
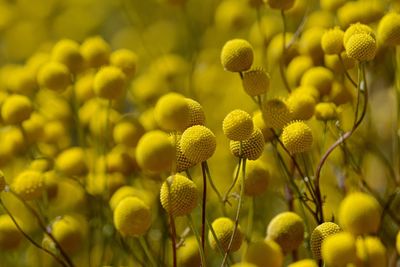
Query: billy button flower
{"x": 251, "y": 148}
{"x": 264, "y": 253}
{"x": 389, "y": 29}
{"x": 67, "y": 52}
{"x": 96, "y": 51}
{"x": 361, "y": 47}
{"x": 256, "y": 82}
{"x": 54, "y": 76}
{"x": 16, "y": 109}
{"x": 339, "y": 249}
{"x": 224, "y": 228}
{"x": 304, "y": 263}
{"x": 237, "y": 55}
{"x": 29, "y": 184}
{"x": 109, "y": 82}
{"x": 276, "y": 113}
{"x": 237, "y": 125}
{"x": 198, "y": 143}
{"x": 297, "y": 137}
{"x": 319, "y": 234}
{"x": 126, "y": 60}
{"x": 332, "y": 41}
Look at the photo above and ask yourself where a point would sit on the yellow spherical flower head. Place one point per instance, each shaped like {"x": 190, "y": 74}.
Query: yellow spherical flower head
{"x": 29, "y": 184}
{"x": 22, "y": 81}
{"x": 128, "y": 132}
{"x": 319, "y": 234}
{"x": 196, "y": 112}
{"x": 109, "y": 82}
{"x": 132, "y": 217}
{"x": 302, "y": 106}
{"x": 256, "y": 82}
{"x": 280, "y": 4}
{"x": 2, "y": 182}
{"x": 72, "y": 162}
{"x": 237, "y": 55}
{"x": 69, "y": 231}
{"x": 306, "y": 90}
{"x": 10, "y": 236}
{"x": 231, "y": 15}
{"x": 332, "y": 41}
{"x": 172, "y": 112}
{"x": 129, "y": 191}
{"x": 264, "y": 253}
{"x": 95, "y": 51}
{"x": 310, "y": 43}
{"x": 259, "y": 123}
{"x": 54, "y": 76}
{"x": 16, "y": 109}
{"x": 297, "y": 137}
{"x": 297, "y": 67}
{"x": 286, "y": 229}
{"x": 188, "y": 253}
{"x": 223, "y": 228}
{"x": 340, "y": 94}
{"x": 331, "y": 5}
{"x": 326, "y": 111}
{"x": 398, "y": 243}
{"x": 126, "y": 60}
{"x": 357, "y": 28}
{"x": 182, "y": 163}
{"x": 237, "y": 125}
{"x": 67, "y": 52}
{"x": 304, "y": 263}
{"x": 178, "y": 195}
{"x": 389, "y": 29}
{"x": 198, "y": 143}
{"x": 155, "y": 152}
{"x": 371, "y": 251}
{"x": 334, "y": 63}
{"x": 339, "y": 249}
{"x": 276, "y": 113}
{"x": 257, "y": 178}
{"x": 361, "y": 47}
{"x": 320, "y": 78}
{"x": 251, "y": 148}
{"x": 365, "y": 219}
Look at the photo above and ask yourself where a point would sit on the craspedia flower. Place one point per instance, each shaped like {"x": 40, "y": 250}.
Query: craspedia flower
{"x": 264, "y": 253}
{"x": 198, "y": 143}
{"x": 389, "y": 29}
{"x": 29, "y": 184}
{"x": 16, "y": 109}
{"x": 67, "y": 52}
{"x": 237, "y": 125}
{"x": 319, "y": 234}
{"x": 310, "y": 43}
{"x": 276, "y": 113}
{"x": 371, "y": 251}
{"x": 301, "y": 106}
{"x": 128, "y": 132}
{"x": 259, "y": 123}
{"x": 72, "y": 162}
{"x": 125, "y": 60}
{"x": 361, "y": 47}
{"x": 304, "y": 263}
{"x": 331, "y": 5}
{"x": 237, "y": 55}
{"x": 155, "y": 152}
{"x": 280, "y": 4}
{"x": 340, "y": 93}
{"x": 357, "y": 28}
{"x": 132, "y": 217}
{"x": 10, "y": 236}
{"x": 297, "y": 137}
{"x": 172, "y": 112}
{"x": 306, "y": 90}
{"x": 178, "y": 195}
{"x": 365, "y": 219}
{"x": 332, "y": 41}
{"x": 196, "y": 112}
{"x": 339, "y": 249}
{"x": 286, "y": 229}
{"x": 69, "y": 231}
{"x": 334, "y": 63}
{"x": 251, "y": 148}
{"x": 297, "y": 67}
{"x": 129, "y": 191}
{"x": 223, "y": 228}
{"x": 109, "y": 82}
{"x": 182, "y": 163}
{"x": 325, "y": 111}
{"x": 95, "y": 51}
{"x": 257, "y": 178}
{"x": 318, "y": 77}
{"x": 54, "y": 76}
{"x": 188, "y": 253}
{"x": 2, "y": 182}
{"x": 256, "y": 82}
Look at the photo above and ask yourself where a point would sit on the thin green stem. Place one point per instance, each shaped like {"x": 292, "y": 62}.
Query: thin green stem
{"x": 226, "y": 197}
{"x": 212, "y": 182}
{"x": 196, "y": 234}
{"x": 147, "y": 251}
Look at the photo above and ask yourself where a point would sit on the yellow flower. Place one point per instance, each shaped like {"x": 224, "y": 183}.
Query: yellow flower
{"x": 67, "y": 52}
{"x": 297, "y": 137}
{"x": 29, "y": 184}
{"x": 109, "y": 82}
{"x": 319, "y": 234}
{"x": 332, "y": 41}
{"x": 223, "y": 228}
{"x": 237, "y": 125}
{"x": 251, "y": 148}
{"x": 256, "y": 82}
{"x": 95, "y": 51}
{"x": 172, "y": 112}
{"x": 361, "y": 47}
{"x": 264, "y": 253}
{"x": 126, "y": 60}
{"x": 276, "y": 113}
{"x": 54, "y": 76}
{"x": 198, "y": 143}
{"x": 339, "y": 249}
{"x": 237, "y": 55}
{"x": 16, "y": 109}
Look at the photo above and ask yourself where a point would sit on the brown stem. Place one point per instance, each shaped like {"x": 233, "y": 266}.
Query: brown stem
{"x": 203, "y": 208}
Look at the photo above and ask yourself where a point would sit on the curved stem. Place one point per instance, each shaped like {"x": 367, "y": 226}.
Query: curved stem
{"x": 346, "y": 73}
{"x": 212, "y": 182}
{"x": 226, "y": 197}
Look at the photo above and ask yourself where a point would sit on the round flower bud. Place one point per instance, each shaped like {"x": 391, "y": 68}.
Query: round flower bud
{"x": 302, "y": 106}
{"x": 129, "y": 191}
{"x": 182, "y": 162}
{"x": 357, "y": 28}
{"x": 29, "y": 184}
{"x": 331, "y": 5}
{"x": 196, "y": 112}
{"x": 251, "y": 148}
{"x": 178, "y": 195}
{"x": 325, "y": 111}
{"x": 256, "y": 82}
{"x": 276, "y": 113}
{"x": 304, "y": 263}
{"x": 128, "y": 132}
{"x": 16, "y": 109}
{"x": 339, "y": 249}
{"x": 198, "y": 143}
{"x": 297, "y": 67}
{"x": 264, "y": 253}
{"x": 2, "y": 182}
{"x": 54, "y": 76}
{"x": 318, "y": 77}
{"x": 365, "y": 219}
{"x": 125, "y": 60}
{"x": 237, "y": 55}
{"x": 259, "y": 123}
{"x": 389, "y": 29}
{"x": 257, "y": 178}
{"x": 109, "y": 82}
{"x": 10, "y": 236}
{"x": 286, "y": 229}
{"x": 155, "y": 152}
{"x": 332, "y": 41}
{"x": 69, "y": 233}
{"x": 306, "y": 90}
{"x": 319, "y": 234}
{"x": 72, "y": 162}
{"x": 334, "y": 63}
{"x": 280, "y": 4}
{"x": 132, "y": 217}
{"x": 310, "y": 43}
{"x": 340, "y": 93}
{"x": 67, "y": 52}
{"x": 172, "y": 112}
{"x": 237, "y": 125}
{"x": 223, "y": 228}
{"x": 371, "y": 251}
{"x": 361, "y": 47}
{"x": 95, "y": 51}
{"x": 297, "y": 137}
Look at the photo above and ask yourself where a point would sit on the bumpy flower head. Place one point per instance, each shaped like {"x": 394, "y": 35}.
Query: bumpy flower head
{"x": 297, "y": 137}
{"x": 339, "y": 249}
{"x": 297, "y": 67}
{"x": 257, "y": 178}
{"x": 361, "y": 47}
{"x": 16, "y": 109}
{"x": 325, "y": 111}
{"x": 320, "y": 78}
{"x": 286, "y": 229}
{"x": 132, "y": 217}
{"x": 371, "y": 251}
{"x": 256, "y": 82}
{"x": 129, "y": 191}
{"x": 304, "y": 263}
{"x": 172, "y": 112}
{"x": 2, "y": 181}
{"x": 332, "y": 41}
{"x": 319, "y": 234}
{"x": 54, "y": 76}
{"x": 125, "y": 60}
{"x": 128, "y": 132}
{"x": 276, "y": 113}
{"x": 10, "y": 236}
{"x": 302, "y": 106}
{"x": 155, "y": 152}
{"x": 182, "y": 163}
{"x": 237, "y": 55}
{"x": 198, "y": 143}
{"x": 259, "y": 123}
{"x": 109, "y": 82}
{"x": 72, "y": 161}
{"x": 29, "y": 184}
{"x": 196, "y": 112}
{"x": 178, "y": 195}
{"x": 357, "y": 28}
{"x": 389, "y": 29}
{"x": 69, "y": 232}
{"x": 280, "y": 4}
{"x": 237, "y": 125}
{"x": 95, "y": 51}
{"x": 223, "y": 228}
{"x": 252, "y": 148}
{"x": 365, "y": 219}
{"x": 264, "y": 253}
{"x": 67, "y": 52}
{"x": 188, "y": 253}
